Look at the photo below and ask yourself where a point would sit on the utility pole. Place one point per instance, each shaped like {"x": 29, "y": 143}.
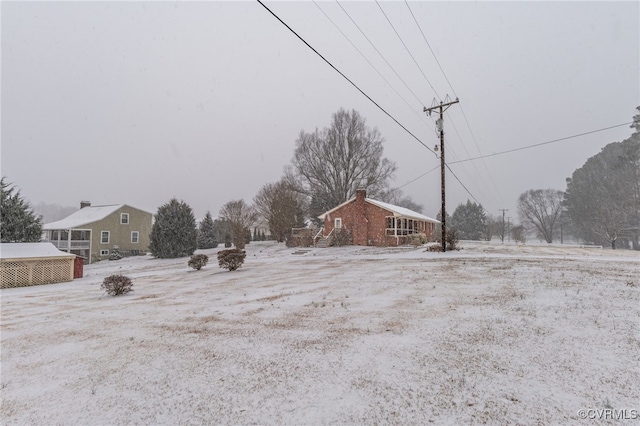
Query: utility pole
{"x": 509, "y": 228}
{"x": 440, "y": 125}
{"x": 502, "y": 233}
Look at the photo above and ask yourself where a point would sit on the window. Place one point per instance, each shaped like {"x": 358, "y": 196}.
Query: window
{"x": 124, "y": 218}
{"x": 104, "y": 237}
{"x": 104, "y": 252}
{"x": 337, "y": 223}
{"x": 135, "y": 237}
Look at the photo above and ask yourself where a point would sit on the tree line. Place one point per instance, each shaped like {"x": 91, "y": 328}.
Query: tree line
{"x": 601, "y": 202}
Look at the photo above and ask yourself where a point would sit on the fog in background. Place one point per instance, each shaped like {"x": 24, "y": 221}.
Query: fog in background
{"x": 139, "y": 102}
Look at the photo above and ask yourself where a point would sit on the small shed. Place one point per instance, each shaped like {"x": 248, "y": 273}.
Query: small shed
{"x": 26, "y": 264}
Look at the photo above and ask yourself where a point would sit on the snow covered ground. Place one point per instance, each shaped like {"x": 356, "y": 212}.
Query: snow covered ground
{"x": 354, "y": 335}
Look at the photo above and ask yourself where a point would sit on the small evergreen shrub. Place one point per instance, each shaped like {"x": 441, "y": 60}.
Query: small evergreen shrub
{"x": 117, "y": 284}
{"x": 115, "y": 254}
{"x": 197, "y": 261}
{"x": 231, "y": 259}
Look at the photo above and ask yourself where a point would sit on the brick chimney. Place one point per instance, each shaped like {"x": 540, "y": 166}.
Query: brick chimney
{"x": 361, "y": 194}
{"x": 84, "y": 204}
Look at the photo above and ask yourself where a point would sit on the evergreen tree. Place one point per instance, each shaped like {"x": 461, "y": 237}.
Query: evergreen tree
{"x": 207, "y": 233}
{"x": 18, "y": 222}
{"x": 469, "y": 220}
{"x": 174, "y": 231}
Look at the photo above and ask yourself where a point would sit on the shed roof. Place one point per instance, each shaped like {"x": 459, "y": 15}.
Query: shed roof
{"x": 31, "y": 250}
{"x": 396, "y": 210}
{"x": 83, "y": 216}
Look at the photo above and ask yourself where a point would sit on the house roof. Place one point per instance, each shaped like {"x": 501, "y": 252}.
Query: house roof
{"x": 30, "y": 250}
{"x": 396, "y": 210}
{"x": 83, "y": 216}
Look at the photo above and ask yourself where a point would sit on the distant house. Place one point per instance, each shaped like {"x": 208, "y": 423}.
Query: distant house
{"x": 372, "y": 222}
{"x": 93, "y": 231}
{"x": 26, "y": 264}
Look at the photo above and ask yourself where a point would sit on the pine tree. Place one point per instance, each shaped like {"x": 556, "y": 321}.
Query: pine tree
{"x": 174, "y": 231}
{"x": 18, "y": 222}
{"x": 207, "y": 233}
{"x": 469, "y": 220}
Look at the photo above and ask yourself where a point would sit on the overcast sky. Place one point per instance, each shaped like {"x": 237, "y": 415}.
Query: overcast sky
{"x": 139, "y": 102}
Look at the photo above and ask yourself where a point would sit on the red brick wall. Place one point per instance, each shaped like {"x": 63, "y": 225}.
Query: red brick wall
{"x": 366, "y": 222}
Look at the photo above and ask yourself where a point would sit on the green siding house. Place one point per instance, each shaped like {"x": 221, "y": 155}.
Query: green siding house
{"x": 94, "y": 231}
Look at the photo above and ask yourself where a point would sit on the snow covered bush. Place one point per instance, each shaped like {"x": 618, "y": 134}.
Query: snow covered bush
{"x": 197, "y": 261}
{"x": 231, "y": 259}
{"x": 117, "y": 284}
{"x": 115, "y": 254}
{"x": 417, "y": 239}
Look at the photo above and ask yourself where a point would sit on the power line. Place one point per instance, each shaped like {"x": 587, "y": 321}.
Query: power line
{"x": 407, "y": 49}
{"x": 464, "y": 115}
{"x": 460, "y": 182}
{"x": 344, "y": 76}
{"x": 419, "y": 177}
{"x": 369, "y": 62}
{"x": 381, "y": 55}
{"x": 432, "y": 52}
{"x": 542, "y": 143}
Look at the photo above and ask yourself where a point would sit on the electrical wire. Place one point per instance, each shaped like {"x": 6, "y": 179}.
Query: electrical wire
{"x": 464, "y": 115}
{"x": 420, "y": 116}
{"x": 413, "y": 180}
{"x": 542, "y": 143}
{"x": 381, "y": 55}
{"x": 408, "y": 51}
{"x": 344, "y": 76}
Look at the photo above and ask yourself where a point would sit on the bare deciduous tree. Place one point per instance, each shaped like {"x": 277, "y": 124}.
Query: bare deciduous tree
{"x": 397, "y": 197}
{"x": 540, "y": 208}
{"x": 282, "y": 208}
{"x": 329, "y": 165}
{"x": 240, "y": 216}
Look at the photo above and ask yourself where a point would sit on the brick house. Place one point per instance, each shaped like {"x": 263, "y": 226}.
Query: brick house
{"x": 375, "y": 223}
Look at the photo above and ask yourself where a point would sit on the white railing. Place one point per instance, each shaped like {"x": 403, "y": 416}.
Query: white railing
{"x": 71, "y": 245}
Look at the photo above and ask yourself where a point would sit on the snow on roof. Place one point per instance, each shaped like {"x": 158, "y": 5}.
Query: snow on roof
{"x": 402, "y": 211}
{"x": 30, "y": 250}
{"x": 83, "y": 216}
{"x": 396, "y": 210}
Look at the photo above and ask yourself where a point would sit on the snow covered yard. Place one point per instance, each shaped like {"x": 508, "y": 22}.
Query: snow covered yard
{"x": 490, "y": 334}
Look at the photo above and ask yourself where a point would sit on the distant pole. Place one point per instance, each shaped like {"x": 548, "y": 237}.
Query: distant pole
{"x": 442, "y": 107}
{"x": 509, "y": 228}
{"x": 502, "y": 233}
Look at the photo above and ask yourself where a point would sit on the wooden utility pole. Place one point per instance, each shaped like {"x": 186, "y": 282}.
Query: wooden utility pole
{"x": 502, "y": 233}
{"x": 440, "y": 125}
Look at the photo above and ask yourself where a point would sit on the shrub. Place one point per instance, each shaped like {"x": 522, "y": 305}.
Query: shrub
{"x": 231, "y": 259}
{"x": 197, "y": 261}
{"x": 115, "y": 254}
{"x": 341, "y": 237}
{"x": 417, "y": 239}
{"x": 115, "y": 285}
{"x": 452, "y": 239}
